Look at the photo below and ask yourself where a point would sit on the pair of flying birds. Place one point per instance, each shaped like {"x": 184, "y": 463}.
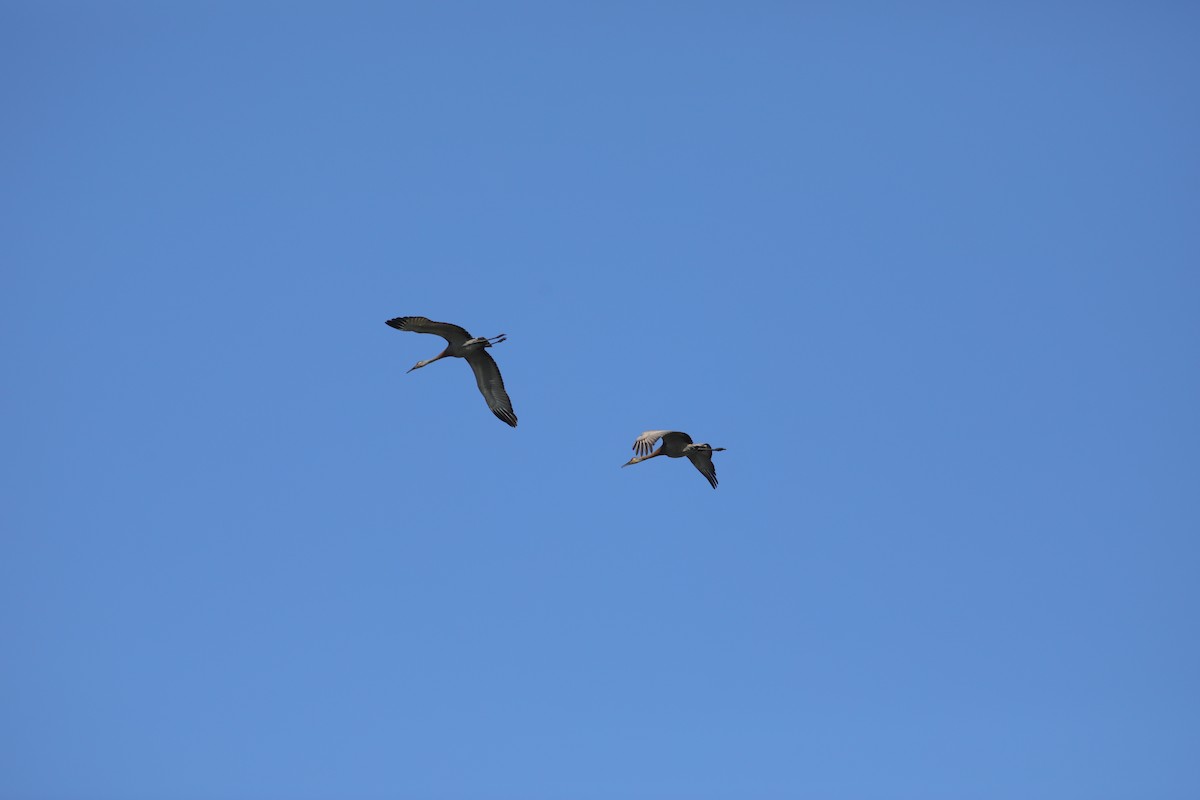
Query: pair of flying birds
{"x": 460, "y": 344}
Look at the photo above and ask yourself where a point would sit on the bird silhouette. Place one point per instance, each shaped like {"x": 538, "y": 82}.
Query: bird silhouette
{"x": 676, "y": 444}
{"x": 460, "y": 344}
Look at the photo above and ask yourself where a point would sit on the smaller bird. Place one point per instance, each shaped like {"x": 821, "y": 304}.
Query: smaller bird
{"x": 676, "y": 444}
{"x": 460, "y": 344}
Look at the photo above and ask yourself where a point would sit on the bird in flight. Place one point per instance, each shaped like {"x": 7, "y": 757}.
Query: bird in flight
{"x": 676, "y": 444}
{"x": 461, "y": 344}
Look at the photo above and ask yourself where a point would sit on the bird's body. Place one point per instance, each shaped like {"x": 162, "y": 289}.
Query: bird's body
{"x": 460, "y": 344}
{"x": 676, "y": 444}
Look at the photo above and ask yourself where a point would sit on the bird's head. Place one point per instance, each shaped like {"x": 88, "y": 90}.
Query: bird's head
{"x": 633, "y": 460}
{"x": 418, "y": 365}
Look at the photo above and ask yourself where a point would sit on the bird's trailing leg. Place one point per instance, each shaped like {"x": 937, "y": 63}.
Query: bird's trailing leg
{"x": 479, "y": 342}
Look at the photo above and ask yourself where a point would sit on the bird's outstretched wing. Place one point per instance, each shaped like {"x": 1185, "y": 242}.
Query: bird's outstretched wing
{"x": 645, "y": 443}
{"x": 453, "y": 334}
{"x": 702, "y": 460}
{"x": 491, "y": 385}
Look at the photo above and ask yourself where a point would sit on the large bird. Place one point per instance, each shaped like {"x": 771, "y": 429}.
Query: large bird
{"x": 676, "y": 444}
{"x": 461, "y": 344}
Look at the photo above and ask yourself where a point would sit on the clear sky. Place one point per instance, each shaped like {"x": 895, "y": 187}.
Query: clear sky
{"x": 929, "y": 271}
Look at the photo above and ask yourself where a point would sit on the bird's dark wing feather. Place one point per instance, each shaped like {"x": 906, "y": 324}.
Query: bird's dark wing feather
{"x": 453, "y": 334}
{"x": 491, "y": 385}
{"x": 675, "y": 441}
{"x": 702, "y": 460}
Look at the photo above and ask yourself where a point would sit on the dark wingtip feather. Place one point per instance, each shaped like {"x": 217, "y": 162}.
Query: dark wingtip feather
{"x": 397, "y": 323}
{"x": 506, "y": 417}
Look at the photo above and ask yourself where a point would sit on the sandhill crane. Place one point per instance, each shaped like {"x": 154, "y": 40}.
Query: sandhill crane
{"x": 674, "y": 445}
{"x": 461, "y": 344}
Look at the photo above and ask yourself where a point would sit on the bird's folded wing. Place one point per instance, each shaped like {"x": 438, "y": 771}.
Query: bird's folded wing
{"x": 491, "y": 385}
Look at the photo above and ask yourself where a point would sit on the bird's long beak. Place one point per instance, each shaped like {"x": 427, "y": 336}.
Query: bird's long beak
{"x": 630, "y": 461}
{"x": 409, "y": 370}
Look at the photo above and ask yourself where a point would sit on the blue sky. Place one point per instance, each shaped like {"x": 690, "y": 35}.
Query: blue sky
{"x": 929, "y": 272}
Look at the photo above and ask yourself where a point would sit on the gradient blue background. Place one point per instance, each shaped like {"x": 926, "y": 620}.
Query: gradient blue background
{"x": 928, "y": 271}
